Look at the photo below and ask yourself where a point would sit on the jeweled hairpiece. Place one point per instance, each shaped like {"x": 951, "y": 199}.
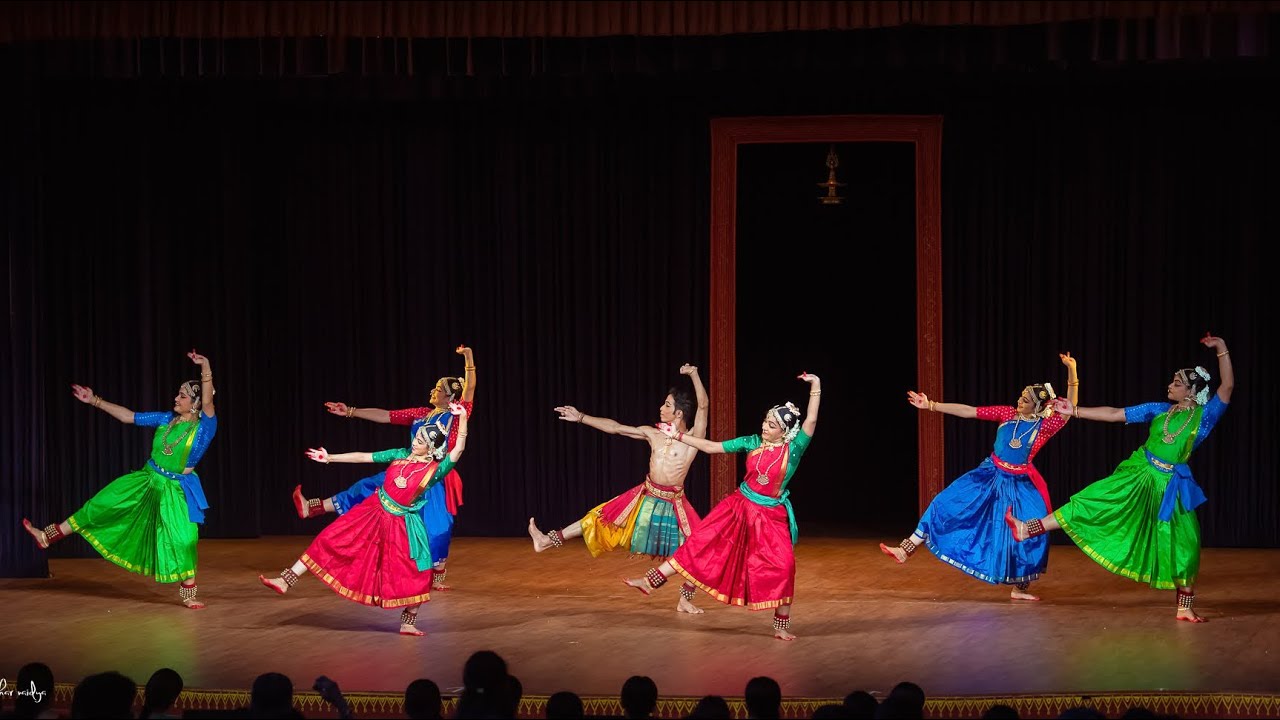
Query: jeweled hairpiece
{"x": 436, "y": 436}
{"x": 788, "y": 416}
{"x": 452, "y": 385}
{"x": 191, "y": 389}
{"x": 1042, "y": 395}
{"x": 1188, "y": 377}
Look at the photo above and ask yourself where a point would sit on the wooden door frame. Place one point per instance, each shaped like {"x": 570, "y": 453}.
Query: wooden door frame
{"x": 924, "y": 132}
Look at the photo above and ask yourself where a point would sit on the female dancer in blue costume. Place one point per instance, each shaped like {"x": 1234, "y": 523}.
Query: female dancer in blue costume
{"x": 964, "y": 525}
{"x": 443, "y": 499}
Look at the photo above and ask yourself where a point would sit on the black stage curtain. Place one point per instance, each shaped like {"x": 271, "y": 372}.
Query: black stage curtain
{"x": 335, "y": 238}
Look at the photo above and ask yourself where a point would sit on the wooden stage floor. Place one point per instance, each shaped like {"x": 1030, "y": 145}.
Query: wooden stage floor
{"x": 564, "y": 621}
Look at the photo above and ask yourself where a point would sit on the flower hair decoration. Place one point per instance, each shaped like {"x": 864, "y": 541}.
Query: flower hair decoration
{"x": 1202, "y": 396}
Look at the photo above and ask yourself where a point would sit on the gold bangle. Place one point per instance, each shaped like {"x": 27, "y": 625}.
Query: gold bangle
{"x": 351, "y": 411}
{"x": 1077, "y": 413}
{"x": 206, "y": 377}
{"x": 462, "y": 434}
{"x": 97, "y": 401}
{"x": 468, "y": 367}
{"x": 1073, "y": 383}
{"x": 815, "y": 393}
{"x": 931, "y": 409}
{"x": 1224, "y": 352}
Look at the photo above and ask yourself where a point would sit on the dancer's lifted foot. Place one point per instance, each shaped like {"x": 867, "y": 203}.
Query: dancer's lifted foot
{"x": 638, "y": 583}
{"x": 281, "y": 584}
{"x": 541, "y": 541}
{"x": 897, "y": 554}
{"x": 36, "y": 533}
{"x": 1016, "y": 526}
{"x": 307, "y": 508}
{"x": 903, "y": 552}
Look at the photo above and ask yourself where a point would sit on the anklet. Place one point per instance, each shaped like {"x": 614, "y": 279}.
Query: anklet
{"x": 655, "y": 578}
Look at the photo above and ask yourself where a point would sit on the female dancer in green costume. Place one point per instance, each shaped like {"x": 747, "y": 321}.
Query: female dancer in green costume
{"x": 146, "y": 521}
{"x": 1140, "y": 521}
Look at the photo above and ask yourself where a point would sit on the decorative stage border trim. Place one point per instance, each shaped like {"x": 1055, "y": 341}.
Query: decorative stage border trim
{"x": 384, "y": 704}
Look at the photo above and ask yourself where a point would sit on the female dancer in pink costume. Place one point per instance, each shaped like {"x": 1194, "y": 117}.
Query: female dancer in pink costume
{"x": 742, "y": 553}
{"x": 378, "y": 553}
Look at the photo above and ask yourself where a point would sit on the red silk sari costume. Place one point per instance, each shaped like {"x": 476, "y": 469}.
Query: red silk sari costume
{"x": 377, "y": 552}
{"x": 743, "y": 552}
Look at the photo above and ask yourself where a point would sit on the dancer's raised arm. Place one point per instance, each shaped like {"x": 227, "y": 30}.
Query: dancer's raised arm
{"x": 810, "y": 423}
{"x": 699, "y": 427}
{"x": 1226, "y": 375}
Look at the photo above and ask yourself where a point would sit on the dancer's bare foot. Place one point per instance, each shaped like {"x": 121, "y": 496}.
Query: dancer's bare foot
{"x": 193, "y": 603}
{"x": 1017, "y": 594}
{"x": 540, "y": 540}
{"x": 685, "y": 606}
{"x": 783, "y": 635}
{"x": 36, "y": 533}
{"x": 1189, "y": 615}
{"x": 277, "y": 584}
{"x": 898, "y": 554}
{"x": 1016, "y": 526}
{"x": 640, "y": 584}
{"x": 300, "y": 503}
{"x": 408, "y": 620}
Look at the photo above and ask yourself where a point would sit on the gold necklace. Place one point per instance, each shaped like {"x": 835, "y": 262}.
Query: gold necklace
{"x": 1169, "y": 438}
{"x": 401, "y": 481}
{"x": 763, "y": 477}
{"x": 1015, "y": 442}
{"x": 168, "y": 447}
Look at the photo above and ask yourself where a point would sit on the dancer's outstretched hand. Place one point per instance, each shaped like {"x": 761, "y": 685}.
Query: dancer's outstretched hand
{"x": 569, "y": 413}
{"x": 667, "y": 429}
{"x": 82, "y": 393}
{"x": 1216, "y": 343}
{"x": 1067, "y": 360}
{"x": 918, "y": 399}
{"x": 809, "y": 378}
{"x": 457, "y": 409}
{"x": 336, "y": 408}
{"x": 687, "y": 369}
{"x": 197, "y": 358}
{"x": 1063, "y": 406}
{"x": 319, "y": 455}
